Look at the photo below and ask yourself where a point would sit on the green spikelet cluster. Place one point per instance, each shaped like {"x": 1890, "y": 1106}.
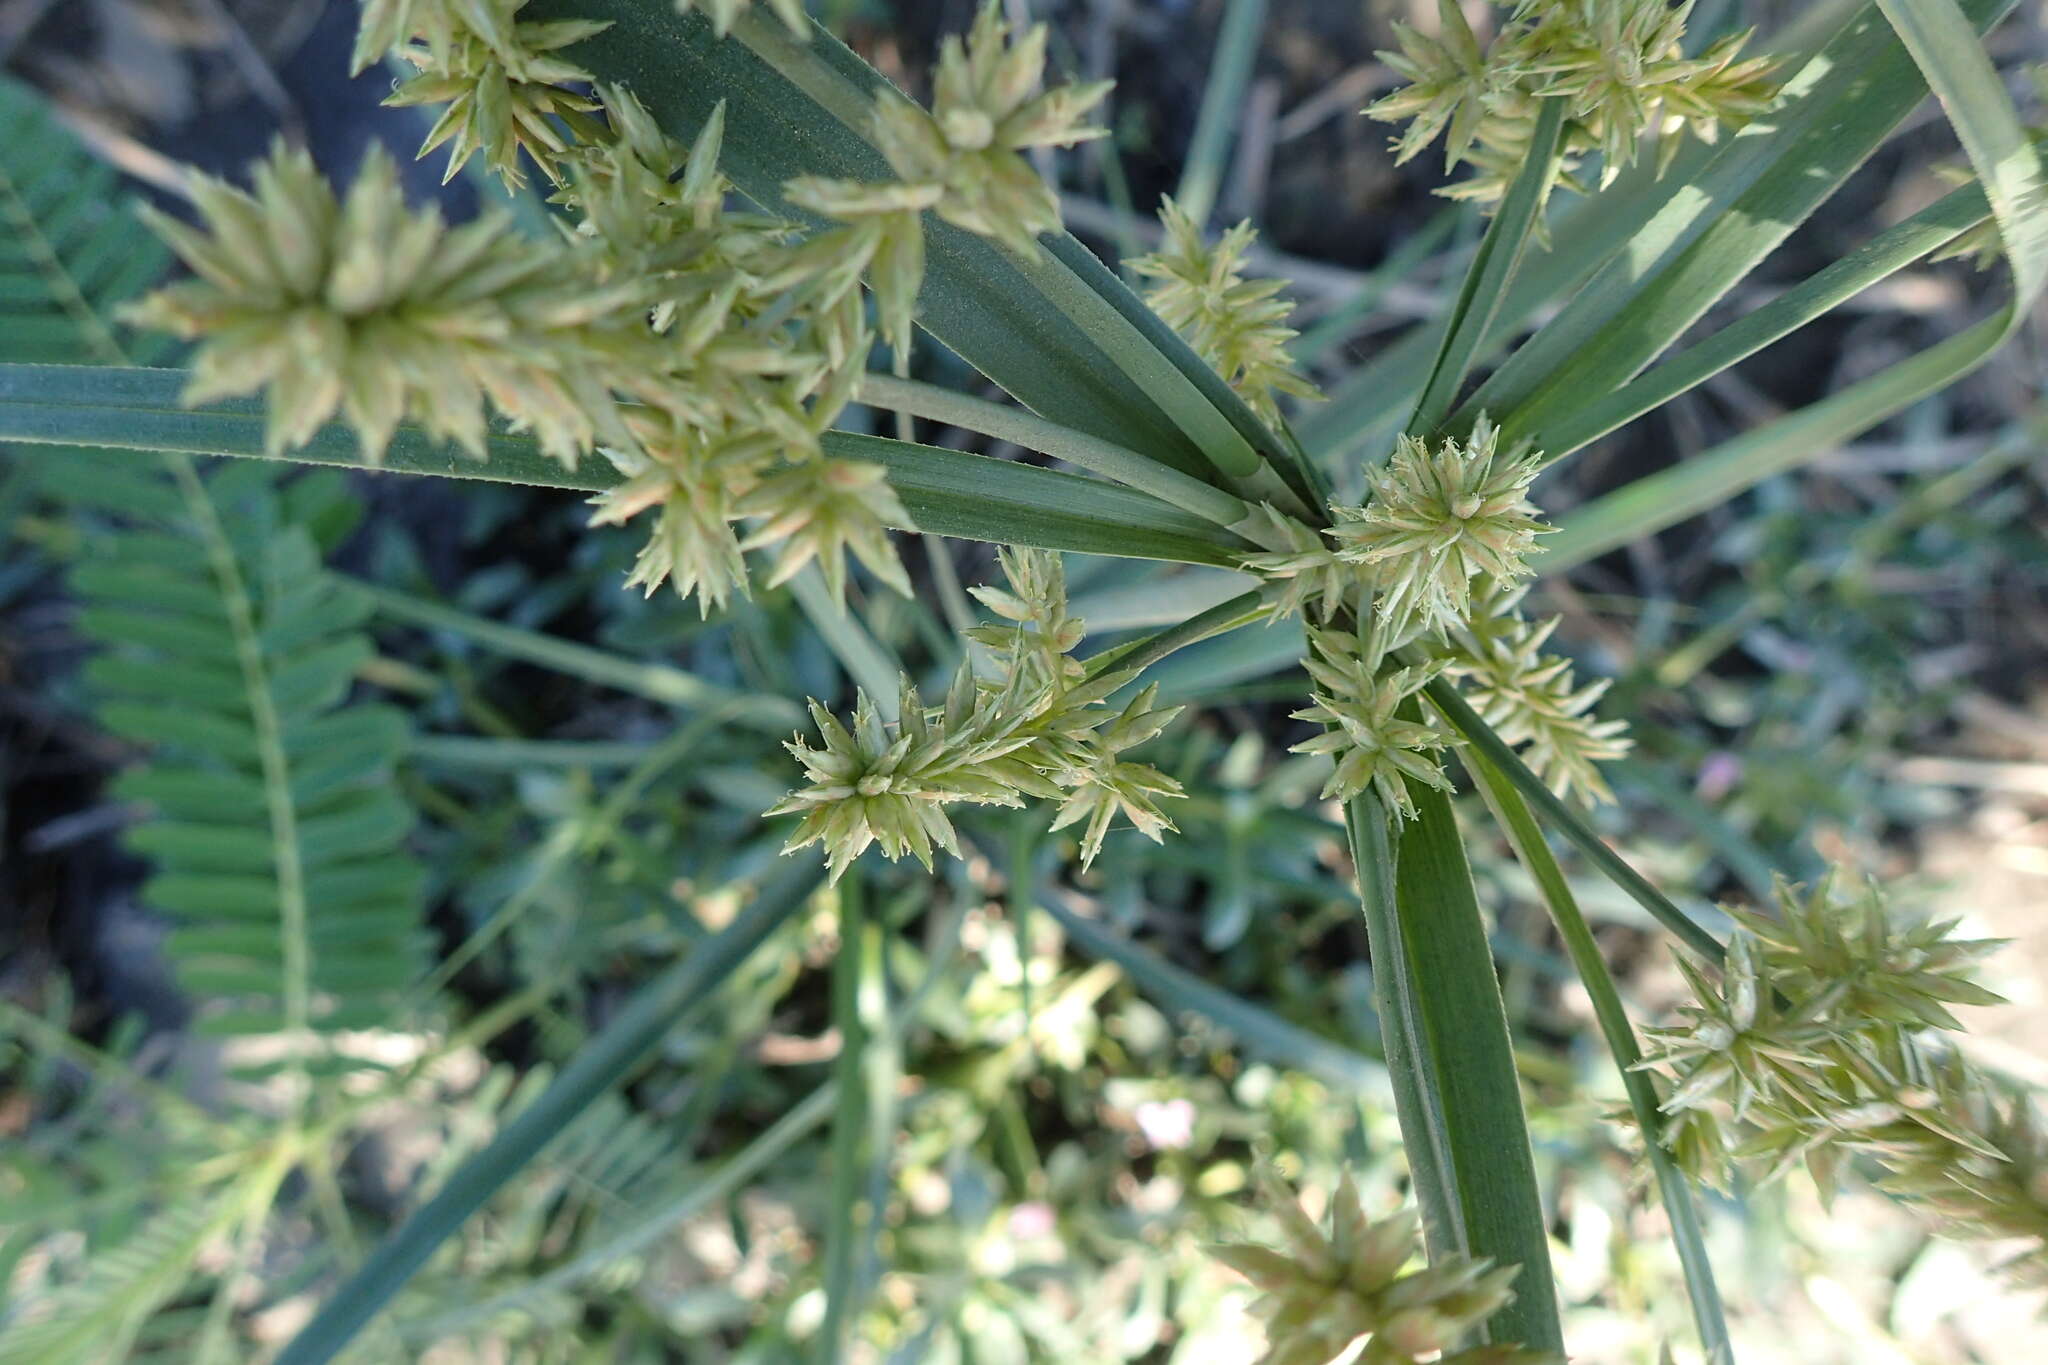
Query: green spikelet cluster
{"x": 1816, "y": 1044}
{"x": 1438, "y": 519}
{"x": 960, "y": 160}
{"x": 1038, "y": 728}
{"x": 503, "y": 82}
{"x": 1533, "y": 699}
{"x": 360, "y": 308}
{"x": 1237, "y": 325}
{"x": 1329, "y": 1287}
{"x": 1618, "y": 64}
{"x": 1372, "y": 728}
{"x": 703, "y": 347}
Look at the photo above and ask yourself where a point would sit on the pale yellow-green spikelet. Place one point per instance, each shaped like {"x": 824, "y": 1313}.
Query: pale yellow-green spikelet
{"x": 1532, "y": 699}
{"x": 1353, "y": 1278}
{"x": 1358, "y": 700}
{"x": 1820, "y": 1038}
{"x": 1440, "y": 517}
{"x": 1237, "y": 325}
{"x": 504, "y": 81}
{"x": 1619, "y": 66}
{"x": 365, "y": 309}
{"x": 1038, "y": 728}
{"x": 960, "y": 159}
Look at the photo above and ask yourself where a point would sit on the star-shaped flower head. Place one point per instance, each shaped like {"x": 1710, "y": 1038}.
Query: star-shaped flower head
{"x": 1437, "y": 520}
{"x": 1106, "y": 784}
{"x": 362, "y": 308}
{"x": 988, "y": 104}
{"x": 1740, "y": 1046}
{"x": 1619, "y": 66}
{"x": 1450, "y": 84}
{"x": 1358, "y": 701}
{"x": 1330, "y": 1286}
{"x": 503, "y": 80}
{"x": 869, "y": 786}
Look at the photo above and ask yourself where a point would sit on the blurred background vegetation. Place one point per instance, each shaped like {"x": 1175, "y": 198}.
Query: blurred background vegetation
{"x": 1071, "y": 1076}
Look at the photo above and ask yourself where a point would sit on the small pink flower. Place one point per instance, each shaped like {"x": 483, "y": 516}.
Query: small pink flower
{"x": 1168, "y": 1125}
{"x": 1031, "y": 1221}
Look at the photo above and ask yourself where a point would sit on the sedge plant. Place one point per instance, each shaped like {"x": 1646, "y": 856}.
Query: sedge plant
{"x": 744, "y": 213}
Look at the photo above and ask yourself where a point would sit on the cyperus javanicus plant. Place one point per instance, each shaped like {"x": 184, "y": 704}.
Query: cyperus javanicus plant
{"x": 741, "y": 212}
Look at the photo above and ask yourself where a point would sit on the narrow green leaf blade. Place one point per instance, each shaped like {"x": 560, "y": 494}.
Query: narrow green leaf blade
{"x": 1765, "y": 180}
{"x": 1463, "y": 1063}
{"x": 1516, "y": 821}
{"x": 946, "y": 492}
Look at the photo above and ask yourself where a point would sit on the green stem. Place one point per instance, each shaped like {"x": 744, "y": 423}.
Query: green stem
{"x": 1492, "y": 270}
{"x": 1515, "y": 819}
{"x": 656, "y": 682}
{"x": 1139, "y": 655}
{"x": 1567, "y": 821}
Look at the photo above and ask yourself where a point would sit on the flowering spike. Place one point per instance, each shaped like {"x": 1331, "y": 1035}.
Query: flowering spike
{"x": 1531, "y": 698}
{"x": 1331, "y": 1288}
{"x": 1358, "y": 700}
{"x": 1437, "y": 520}
{"x": 1237, "y": 325}
{"x": 1619, "y": 66}
{"x": 364, "y": 309}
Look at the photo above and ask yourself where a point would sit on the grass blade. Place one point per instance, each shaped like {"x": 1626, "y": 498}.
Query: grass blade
{"x": 1492, "y": 270}
{"x": 946, "y": 492}
{"x": 1262, "y": 1032}
{"x": 1463, "y": 1096}
{"x": 1764, "y": 182}
{"x": 1883, "y": 255}
{"x": 809, "y": 1114}
{"x": 1711, "y": 477}
{"x": 1567, "y": 821}
{"x": 657, "y": 682}
{"x": 849, "y": 1160}
{"x": 1230, "y": 71}
{"x": 1944, "y": 44}
{"x": 607, "y": 1059}
{"x": 1513, "y": 814}
{"x": 1027, "y": 429}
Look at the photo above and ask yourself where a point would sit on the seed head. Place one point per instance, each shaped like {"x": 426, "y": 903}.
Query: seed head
{"x": 1237, "y": 325}
{"x": 1437, "y": 520}
{"x": 367, "y": 310}
{"x": 1359, "y": 700}
{"x": 1329, "y": 1286}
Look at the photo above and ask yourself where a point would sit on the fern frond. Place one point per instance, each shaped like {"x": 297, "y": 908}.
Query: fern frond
{"x": 277, "y": 829}
{"x": 95, "y": 1317}
{"x": 224, "y": 650}
{"x": 69, "y": 249}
